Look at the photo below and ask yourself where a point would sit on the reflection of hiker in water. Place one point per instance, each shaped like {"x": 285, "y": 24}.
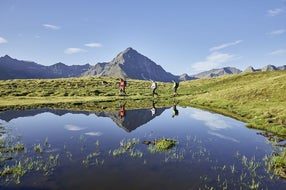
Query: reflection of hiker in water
{"x": 122, "y": 110}
{"x": 175, "y": 110}
{"x": 154, "y": 88}
{"x": 153, "y": 109}
{"x": 122, "y": 86}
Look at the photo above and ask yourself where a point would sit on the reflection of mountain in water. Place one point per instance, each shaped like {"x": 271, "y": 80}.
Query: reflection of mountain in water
{"x": 132, "y": 120}
{"x": 14, "y": 114}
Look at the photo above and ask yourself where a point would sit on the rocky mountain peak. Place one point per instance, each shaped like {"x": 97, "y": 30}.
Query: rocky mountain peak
{"x": 127, "y": 56}
{"x": 7, "y": 57}
{"x": 131, "y": 64}
{"x": 60, "y": 64}
{"x": 249, "y": 69}
{"x": 269, "y": 68}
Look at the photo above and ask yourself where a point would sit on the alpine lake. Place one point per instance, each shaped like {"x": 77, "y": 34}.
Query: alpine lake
{"x": 152, "y": 148}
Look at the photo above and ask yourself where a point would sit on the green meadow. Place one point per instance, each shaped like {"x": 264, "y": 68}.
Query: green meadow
{"x": 259, "y": 99}
{"x": 255, "y": 98}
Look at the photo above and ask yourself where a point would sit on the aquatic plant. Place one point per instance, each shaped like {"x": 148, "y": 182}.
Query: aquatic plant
{"x": 128, "y": 146}
{"x": 38, "y": 148}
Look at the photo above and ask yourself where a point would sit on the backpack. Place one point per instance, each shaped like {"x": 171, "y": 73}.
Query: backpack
{"x": 177, "y": 85}
{"x": 125, "y": 82}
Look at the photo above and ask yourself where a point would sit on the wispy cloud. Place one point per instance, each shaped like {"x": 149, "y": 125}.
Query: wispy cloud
{"x": 222, "y": 46}
{"x": 277, "y": 32}
{"x": 275, "y": 12}
{"x": 50, "y": 26}
{"x": 278, "y": 52}
{"x": 93, "y": 45}
{"x": 214, "y": 60}
{"x": 222, "y": 136}
{"x": 73, "y": 50}
{"x": 3, "y": 40}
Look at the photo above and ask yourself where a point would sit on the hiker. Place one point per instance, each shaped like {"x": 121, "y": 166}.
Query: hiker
{"x": 175, "y": 110}
{"x": 153, "y": 109}
{"x": 175, "y": 87}
{"x": 154, "y": 88}
{"x": 122, "y": 86}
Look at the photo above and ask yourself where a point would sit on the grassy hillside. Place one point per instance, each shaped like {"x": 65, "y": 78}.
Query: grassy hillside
{"x": 256, "y": 98}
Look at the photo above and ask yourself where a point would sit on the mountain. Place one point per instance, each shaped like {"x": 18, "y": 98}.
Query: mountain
{"x": 217, "y": 72}
{"x": 131, "y": 64}
{"x": 127, "y": 64}
{"x": 282, "y": 67}
{"x": 18, "y": 69}
{"x": 13, "y": 68}
{"x": 269, "y": 68}
{"x": 250, "y": 69}
{"x": 65, "y": 71}
{"x": 265, "y": 68}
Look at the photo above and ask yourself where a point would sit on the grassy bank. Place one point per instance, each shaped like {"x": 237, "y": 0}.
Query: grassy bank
{"x": 255, "y": 98}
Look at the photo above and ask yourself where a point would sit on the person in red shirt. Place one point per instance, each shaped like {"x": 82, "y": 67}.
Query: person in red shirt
{"x": 122, "y": 86}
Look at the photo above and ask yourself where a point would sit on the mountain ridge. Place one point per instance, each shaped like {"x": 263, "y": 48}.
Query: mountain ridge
{"x": 127, "y": 64}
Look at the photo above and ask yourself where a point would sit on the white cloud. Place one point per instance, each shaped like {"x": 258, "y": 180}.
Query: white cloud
{"x": 225, "y": 45}
{"x": 212, "y": 121}
{"x": 73, "y": 50}
{"x": 93, "y": 45}
{"x": 94, "y": 133}
{"x": 274, "y": 12}
{"x": 277, "y": 32}
{"x": 73, "y": 128}
{"x": 278, "y": 52}
{"x": 50, "y": 26}
{"x": 3, "y": 40}
{"x": 213, "y": 60}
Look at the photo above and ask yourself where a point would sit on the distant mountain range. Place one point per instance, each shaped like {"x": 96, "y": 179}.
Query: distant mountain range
{"x": 217, "y": 72}
{"x": 127, "y": 64}
{"x": 17, "y": 69}
{"x": 266, "y": 68}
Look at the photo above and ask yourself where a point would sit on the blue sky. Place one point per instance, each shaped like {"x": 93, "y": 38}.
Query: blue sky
{"x": 183, "y": 36}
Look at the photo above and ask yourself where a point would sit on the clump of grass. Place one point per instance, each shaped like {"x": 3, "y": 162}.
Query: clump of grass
{"x": 165, "y": 144}
{"x": 38, "y": 148}
{"x": 161, "y": 145}
{"x": 278, "y": 164}
{"x": 14, "y": 148}
{"x": 128, "y": 146}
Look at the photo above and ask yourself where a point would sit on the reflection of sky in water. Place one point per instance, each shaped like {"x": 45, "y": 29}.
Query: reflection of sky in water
{"x": 211, "y": 120}
{"x": 222, "y": 136}
{"x": 73, "y": 128}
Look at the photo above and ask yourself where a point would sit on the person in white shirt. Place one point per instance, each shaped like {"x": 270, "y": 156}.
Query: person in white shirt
{"x": 154, "y": 88}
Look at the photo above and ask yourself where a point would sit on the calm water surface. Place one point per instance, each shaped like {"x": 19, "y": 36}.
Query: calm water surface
{"x": 83, "y": 150}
